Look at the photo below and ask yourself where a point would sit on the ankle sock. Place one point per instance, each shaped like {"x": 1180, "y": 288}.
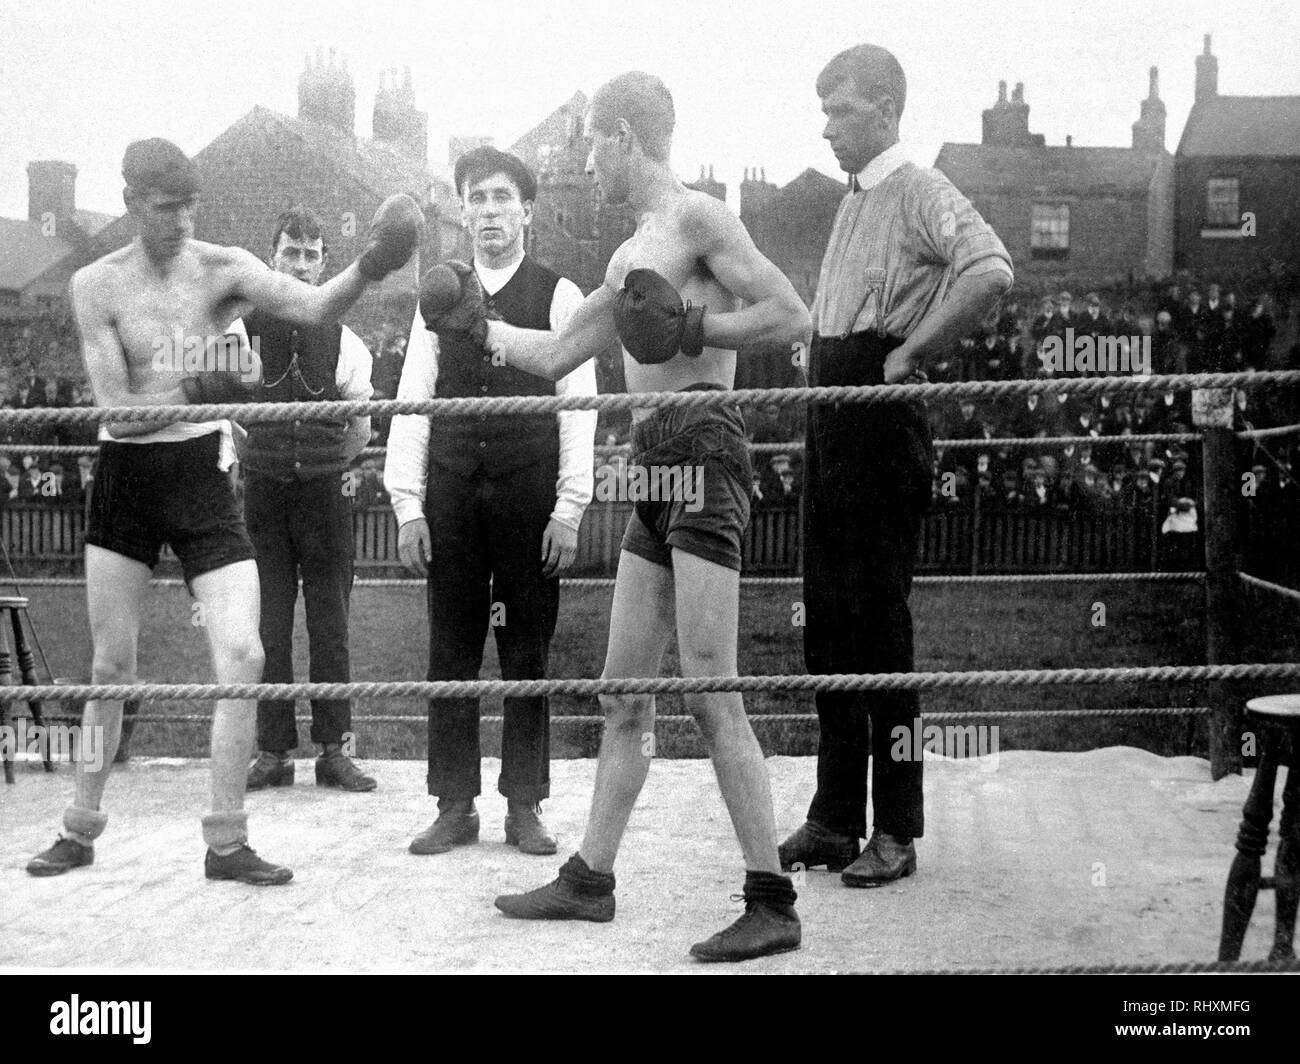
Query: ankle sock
{"x": 83, "y": 826}
{"x": 225, "y": 832}
{"x": 579, "y": 875}
{"x": 769, "y": 888}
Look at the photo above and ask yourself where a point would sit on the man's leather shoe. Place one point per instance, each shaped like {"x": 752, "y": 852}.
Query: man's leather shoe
{"x": 884, "y": 860}
{"x": 763, "y": 930}
{"x": 457, "y": 825}
{"x": 270, "y": 770}
{"x": 577, "y": 893}
{"x": 813, "y": 845}
{"x": 524, "y": 828}
{"x": 245, "y": 866}
{"x": 63, "y": 856}
{"x": 336, "y": 769}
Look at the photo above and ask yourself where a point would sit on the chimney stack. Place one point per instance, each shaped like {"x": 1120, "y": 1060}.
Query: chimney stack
{"x": 1149, "y": 129}
{"x": 1207, "y": 74}
{"x": 52, "y": 192}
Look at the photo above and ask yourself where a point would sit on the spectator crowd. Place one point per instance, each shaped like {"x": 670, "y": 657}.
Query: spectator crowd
{"x": 1103, "y": 473}
{"x": 1189, "y": 329}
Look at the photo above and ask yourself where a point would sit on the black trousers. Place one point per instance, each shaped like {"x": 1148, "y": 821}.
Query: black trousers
{"x": 302, "y": 530}
{"x": 867, "y": 487}
{"x": 486, "y": 570}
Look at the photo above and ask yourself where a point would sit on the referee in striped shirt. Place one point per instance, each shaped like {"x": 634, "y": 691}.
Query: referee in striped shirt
{"x": 910, "y": 268}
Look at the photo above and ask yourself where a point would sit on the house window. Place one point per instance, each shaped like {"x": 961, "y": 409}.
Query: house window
{"x": 1049, "y": 231}
{"x": 1222, "y": 210}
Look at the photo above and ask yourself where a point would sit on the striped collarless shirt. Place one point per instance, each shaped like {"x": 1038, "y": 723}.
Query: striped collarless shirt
{"x": 902, "y": 235}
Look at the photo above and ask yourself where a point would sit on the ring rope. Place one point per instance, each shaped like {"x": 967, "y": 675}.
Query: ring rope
{"x": 686, "y": 718}
{"x": 1174, "y": 968}
{"x": 1263, "y": 434}
{"x": 1268, "y": 585}
{"x": 929, "y": 580}
{"x": 550, "y": 404}
{"x": 654, "y": 685}
{"x": 757, "y": 448}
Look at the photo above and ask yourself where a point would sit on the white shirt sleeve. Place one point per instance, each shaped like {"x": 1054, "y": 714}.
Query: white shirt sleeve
{"x": 406, "y": 467}
{"x": 574, "y": 486}
{"x": 353, "y": 374}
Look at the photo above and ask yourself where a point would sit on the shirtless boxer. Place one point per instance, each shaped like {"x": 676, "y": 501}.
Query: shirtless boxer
{"x": 680, "y": 564}
{"x": 161, "y": 482}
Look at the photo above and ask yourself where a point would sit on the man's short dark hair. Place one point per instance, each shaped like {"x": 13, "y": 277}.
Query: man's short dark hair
{"x": 299, "y": 224}
{"x": 158, "y": 165}
{"x": 873, "y": 70}
{"x": 485, "y": 161}
{"x": 644, "y": 103}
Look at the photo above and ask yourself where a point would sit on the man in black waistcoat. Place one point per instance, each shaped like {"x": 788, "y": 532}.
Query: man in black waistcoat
{"x": 298, "y": 495}
{"x": 489, "y": 508}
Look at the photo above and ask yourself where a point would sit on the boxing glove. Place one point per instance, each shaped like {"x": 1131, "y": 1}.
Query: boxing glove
{"x": 214, "y": 387}
{"x": 452, "y": 301}
{"x": 394, "y": 235}
{"x": 652, "y": 322}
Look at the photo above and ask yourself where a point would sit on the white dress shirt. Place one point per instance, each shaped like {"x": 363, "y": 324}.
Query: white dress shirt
{"x": 901, "y": 236}
{"x": 408, "y": 439}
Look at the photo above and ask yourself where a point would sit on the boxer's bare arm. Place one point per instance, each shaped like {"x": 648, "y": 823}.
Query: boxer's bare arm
{"x": 254, "y": 282}
{"x": 104, "y": 356}
{"x": 553, "y": 355}
{"x": 775, "y": 313}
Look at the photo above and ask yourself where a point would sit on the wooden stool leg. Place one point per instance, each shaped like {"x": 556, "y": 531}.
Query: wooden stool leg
{"x": 27, "y": 671}
{"x": 6, "y": 678}
{"x": 1252, "y": 838}
{"x": 1286, "y": 870}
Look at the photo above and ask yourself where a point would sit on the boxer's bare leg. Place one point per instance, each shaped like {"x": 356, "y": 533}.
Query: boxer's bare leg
{"x": 708, "y": 607}
{"x": 640, "y": 626}
{"x": 115, "y": 590}
{"x": 231, "y": 613}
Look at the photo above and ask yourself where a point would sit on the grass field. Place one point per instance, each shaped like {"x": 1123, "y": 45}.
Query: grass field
{"x": 958, "y": 628}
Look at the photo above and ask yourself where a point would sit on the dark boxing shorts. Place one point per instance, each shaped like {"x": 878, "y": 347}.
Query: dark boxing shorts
{"x": 694, "y": 463}
{"x": 148, "y": 494}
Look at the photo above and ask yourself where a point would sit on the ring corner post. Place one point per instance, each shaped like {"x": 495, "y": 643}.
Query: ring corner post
{"x": 1212, "y": 414}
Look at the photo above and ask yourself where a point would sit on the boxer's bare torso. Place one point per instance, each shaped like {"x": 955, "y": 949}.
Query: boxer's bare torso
{"x": 700, "y": 248}
{"x": 668, "y": 241}
{"x": 130, "y": 310}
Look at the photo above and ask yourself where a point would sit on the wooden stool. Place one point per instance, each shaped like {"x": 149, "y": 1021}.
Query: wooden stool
{"x": 16, "y": 607}
{"x": 1278, "y": 720}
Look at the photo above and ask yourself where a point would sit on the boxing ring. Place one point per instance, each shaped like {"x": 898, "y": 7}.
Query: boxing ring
{"x": 1227, "y": 677}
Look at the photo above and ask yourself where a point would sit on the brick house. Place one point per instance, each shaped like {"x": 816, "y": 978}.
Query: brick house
{"x": 53, "y": 230}
{"x": 267, "y": 161}
{"x": 1092, "y": 214}
{"x": 1237, "y": 180}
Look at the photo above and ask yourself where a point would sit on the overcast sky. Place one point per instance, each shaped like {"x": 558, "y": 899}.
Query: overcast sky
{"x": 79, "y": 81}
